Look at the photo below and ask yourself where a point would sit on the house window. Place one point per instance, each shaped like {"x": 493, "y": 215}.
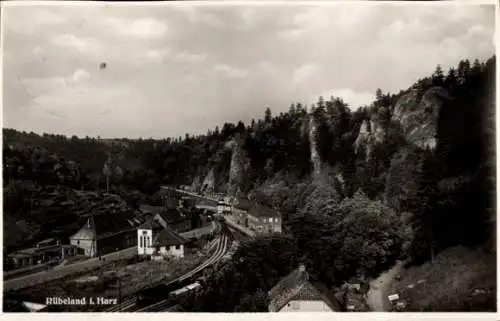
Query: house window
{"x": 78, "y": 242}
{"x": 177, "y": 247}
{"x": 140, "y": 242}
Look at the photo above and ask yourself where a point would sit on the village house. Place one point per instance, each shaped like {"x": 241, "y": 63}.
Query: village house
{"x": 240, "y": 210}
{"x": 69, "y": 250}
{"x": 145, "y": 234}
{"x": 263, "y": 219}
{"x": 169, "y": 243}
{"x": 46, "y": 251}
{"x": 102, "y": 234}
{"x": 224, "y": 207}
{"x": 171, "y": 198}
{"x": 297, "y": 293}
{"x": 175, "y": 218}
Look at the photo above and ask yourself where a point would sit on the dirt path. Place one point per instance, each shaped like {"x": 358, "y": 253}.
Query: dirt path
{"x": 377, "y": 295}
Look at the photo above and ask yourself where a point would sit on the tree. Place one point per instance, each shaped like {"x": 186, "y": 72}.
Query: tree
{"x": 360, "y": 237}
{"x": 267, "y": 115}
{"x": 423, "y": 207}
{"x": 438, "y": 76}
{"x": 451, "y": 79}
{"x": 463, "y": 68}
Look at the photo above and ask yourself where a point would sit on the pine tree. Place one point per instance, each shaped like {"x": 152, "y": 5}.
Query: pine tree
{"x": 268, "y": 115}
{"x": 451, "y": 79}
{"x": 438, "y": 76}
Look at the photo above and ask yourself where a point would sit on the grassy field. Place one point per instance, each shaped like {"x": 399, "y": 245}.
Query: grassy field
{"x": 459, "y": 279}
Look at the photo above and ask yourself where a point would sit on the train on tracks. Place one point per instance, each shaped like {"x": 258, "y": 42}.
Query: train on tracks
{"x": 169, "y": 294}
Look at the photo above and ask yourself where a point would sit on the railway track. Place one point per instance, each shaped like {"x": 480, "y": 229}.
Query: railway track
{"x": 222, "y": 248}
{"x": 222, "y": 245}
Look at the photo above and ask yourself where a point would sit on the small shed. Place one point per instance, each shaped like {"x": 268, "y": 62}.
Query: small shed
{"x": 170, "y": 243}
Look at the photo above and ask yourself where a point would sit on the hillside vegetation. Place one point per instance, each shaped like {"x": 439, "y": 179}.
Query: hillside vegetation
{"x": 408, "y": 176}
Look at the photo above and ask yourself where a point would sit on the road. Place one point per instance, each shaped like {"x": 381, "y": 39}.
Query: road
{"x": 222, "y": 244}
{"x": 379, "y": 289}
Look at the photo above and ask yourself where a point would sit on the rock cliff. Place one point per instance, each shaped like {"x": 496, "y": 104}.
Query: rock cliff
{"x": 238, "y": 167}
{"x": 419, "y": 117}
{"x": 208, "y": 185}
{"x": 372, "y": 131}
{"x": 315, "y": 157}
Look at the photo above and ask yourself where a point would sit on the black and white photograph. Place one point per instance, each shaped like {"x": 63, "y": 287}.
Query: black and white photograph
{"x": 245, "y": 157}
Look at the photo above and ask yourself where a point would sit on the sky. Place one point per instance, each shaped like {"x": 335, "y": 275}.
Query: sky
{"x": 176, "y": 69}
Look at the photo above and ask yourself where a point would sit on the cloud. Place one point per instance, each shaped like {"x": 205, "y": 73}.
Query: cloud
{"x": 305, "y": 73}
{"x": 231, "y": 72}
{"x": 351, "y": 97}
{"x": 37, "y": 86}
{"x": 157, "y": 55}
{"x": 163, "y": 55}
{"x": 44, "y": 18}
{"x": 186, "y": 57}
{"x": 87, "y": 46}
{"x": 291, "y": 34}
{"x": 164, "y": 62}
{"x": 79, "y": 75}
{"x": 49, "y": 17}
{"x": 146, "y": 28}
{"x": 199, "y": 15}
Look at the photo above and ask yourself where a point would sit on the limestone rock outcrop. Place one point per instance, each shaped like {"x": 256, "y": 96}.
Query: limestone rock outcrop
{"x": 419, "y": 117}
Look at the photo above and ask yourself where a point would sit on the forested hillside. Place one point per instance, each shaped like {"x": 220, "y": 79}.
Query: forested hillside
{"x": 407, "y": 176}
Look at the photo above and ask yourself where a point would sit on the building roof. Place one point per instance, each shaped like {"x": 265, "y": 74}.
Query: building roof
{"x": 150, "y": 224}
{"x": 107, "y": 225}
{"x": 47, "y": 240}
{"x": 34, "y": 251}
{"x": 242, "y": 204}
{"x": 169, "y": 237}
{"x": 173, "y": 215}
{"x": 297, "y": 286}
{"x": 151, "y": 208}
{"x": 259, "y": 210}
